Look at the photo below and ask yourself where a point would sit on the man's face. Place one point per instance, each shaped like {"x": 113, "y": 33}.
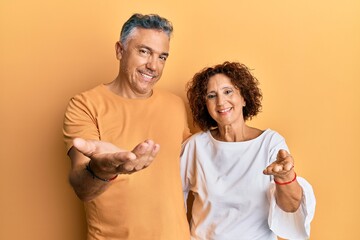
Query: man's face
{"x": 142, "y": 60}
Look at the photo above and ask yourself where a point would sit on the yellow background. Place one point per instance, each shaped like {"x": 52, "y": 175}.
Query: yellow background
{"x": 306, "y": 55}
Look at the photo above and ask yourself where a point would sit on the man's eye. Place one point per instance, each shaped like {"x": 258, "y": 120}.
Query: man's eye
{"x": 163, "y": 58}
{"x": 144, "y": 52}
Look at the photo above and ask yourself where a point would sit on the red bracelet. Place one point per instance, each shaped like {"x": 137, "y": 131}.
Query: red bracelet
{"x": 285, "y": 183}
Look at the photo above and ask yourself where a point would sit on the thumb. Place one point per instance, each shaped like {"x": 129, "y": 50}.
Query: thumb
{"x": 282, "y": 154}
{"x": 83, "y": 146}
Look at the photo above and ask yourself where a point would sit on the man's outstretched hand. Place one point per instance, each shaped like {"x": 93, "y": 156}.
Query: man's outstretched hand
{"x": 108, "y": 160}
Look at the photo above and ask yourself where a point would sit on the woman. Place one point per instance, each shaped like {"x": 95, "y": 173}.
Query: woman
{"x": 242, "y": 178}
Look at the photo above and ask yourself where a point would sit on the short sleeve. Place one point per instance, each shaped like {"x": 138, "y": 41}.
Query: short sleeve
{"x": 79, "y": 121}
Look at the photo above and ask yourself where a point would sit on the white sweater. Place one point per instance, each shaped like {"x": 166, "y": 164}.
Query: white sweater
{"x": 233, "y": 199}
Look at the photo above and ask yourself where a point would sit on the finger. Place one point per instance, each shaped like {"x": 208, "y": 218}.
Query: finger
{"x": 266, "y": 171}
{"x": 124, "y": 162}
{"x": 136, "y": 161}
{"x": 147, "y": 157}
{"x": 288, "y": 166}
{"x": 155, "y": 150}
{"x": 83, "y": 146}
{"x": 278, "y": 168}
{"x": 143, "y": 155}
{"x": 282, "y": 154}
{"x": 285, "y": 159}
{"x": 150, "y": 146}
{"x": 269, "y": 169}
{"x": 152, "y": 150}
{"x": 142, "y": 148}
{"x": 123, "y": 157}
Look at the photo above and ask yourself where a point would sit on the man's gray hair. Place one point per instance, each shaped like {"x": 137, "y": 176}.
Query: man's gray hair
{"x": 150, "y": 21}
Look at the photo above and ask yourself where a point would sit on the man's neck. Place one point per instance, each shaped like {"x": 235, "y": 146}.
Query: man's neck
{"x": 118, "y": 87}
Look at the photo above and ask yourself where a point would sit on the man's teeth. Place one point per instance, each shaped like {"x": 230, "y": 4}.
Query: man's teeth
{"x": 147, "y": 76}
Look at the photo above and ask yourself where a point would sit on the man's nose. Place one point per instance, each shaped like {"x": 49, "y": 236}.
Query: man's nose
{"x": 151, "y": 63}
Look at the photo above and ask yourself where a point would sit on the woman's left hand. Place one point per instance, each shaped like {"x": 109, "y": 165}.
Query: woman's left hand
{"x": 288, "y": 191}
{"x": 283, "y": 167}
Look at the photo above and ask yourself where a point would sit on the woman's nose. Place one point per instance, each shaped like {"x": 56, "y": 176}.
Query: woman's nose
{"x": 220, "y": 100}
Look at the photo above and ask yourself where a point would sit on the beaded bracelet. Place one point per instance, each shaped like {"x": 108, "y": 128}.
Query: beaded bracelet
{"x": 88, "y": 168}
{"x": 285, "y": 183}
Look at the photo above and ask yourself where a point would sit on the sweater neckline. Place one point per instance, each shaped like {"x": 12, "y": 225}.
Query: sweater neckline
{"x": 115, "y": 96}
{"x": 218, "y": 142}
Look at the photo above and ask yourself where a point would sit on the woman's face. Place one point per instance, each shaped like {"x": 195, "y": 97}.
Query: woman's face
{"x": 224, "y": 101}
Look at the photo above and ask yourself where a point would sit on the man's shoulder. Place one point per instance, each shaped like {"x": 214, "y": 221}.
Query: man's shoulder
{"x": 168, "y": 96}
{"x": 92, "y": 93}
{"x": 166, "y": 93}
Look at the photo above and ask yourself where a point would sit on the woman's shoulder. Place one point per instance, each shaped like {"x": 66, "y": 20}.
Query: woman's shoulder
{"x": 197, "y": 137}
{"x": 271, "y": 137}
{"x": 272, "y": 133}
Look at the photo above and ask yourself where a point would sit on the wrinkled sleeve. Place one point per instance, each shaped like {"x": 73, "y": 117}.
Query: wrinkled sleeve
{"x": 294, "y": 226}
{"x": 186, "y": 169}
{"x": 79, "y": 121}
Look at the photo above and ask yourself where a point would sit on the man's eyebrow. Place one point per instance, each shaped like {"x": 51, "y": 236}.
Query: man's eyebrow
{"x": 152, "y": 50}
{"x": 166, "y": 54}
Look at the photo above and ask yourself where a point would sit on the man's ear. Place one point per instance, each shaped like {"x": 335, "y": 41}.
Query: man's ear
{"x": 119, "y": 48}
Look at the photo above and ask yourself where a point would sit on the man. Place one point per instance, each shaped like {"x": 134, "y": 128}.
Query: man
{"x": 133, "y": 194}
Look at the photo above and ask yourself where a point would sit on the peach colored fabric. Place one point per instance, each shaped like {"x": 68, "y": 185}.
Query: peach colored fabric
{"x": 147, "y": 204}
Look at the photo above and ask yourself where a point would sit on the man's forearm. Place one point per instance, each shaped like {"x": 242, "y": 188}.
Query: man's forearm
{"x": 85, "y": 185}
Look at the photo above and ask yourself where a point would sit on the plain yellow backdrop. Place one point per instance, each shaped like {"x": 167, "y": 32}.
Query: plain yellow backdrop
{"x": 306, "y": 55}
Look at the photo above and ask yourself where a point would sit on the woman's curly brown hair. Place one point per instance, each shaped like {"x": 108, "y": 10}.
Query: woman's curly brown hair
{"x": 242, "y": 79}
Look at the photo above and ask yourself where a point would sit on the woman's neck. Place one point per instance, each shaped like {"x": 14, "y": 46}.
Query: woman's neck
{"x": 230, "y": 133}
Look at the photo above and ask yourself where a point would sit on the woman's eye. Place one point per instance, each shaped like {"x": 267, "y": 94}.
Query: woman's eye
{"x": 227, "y": 92}
{"x": 210, "y": 96}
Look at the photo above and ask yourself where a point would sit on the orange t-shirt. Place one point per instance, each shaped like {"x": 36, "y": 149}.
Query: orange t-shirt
{"x": 148, "y": 204}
